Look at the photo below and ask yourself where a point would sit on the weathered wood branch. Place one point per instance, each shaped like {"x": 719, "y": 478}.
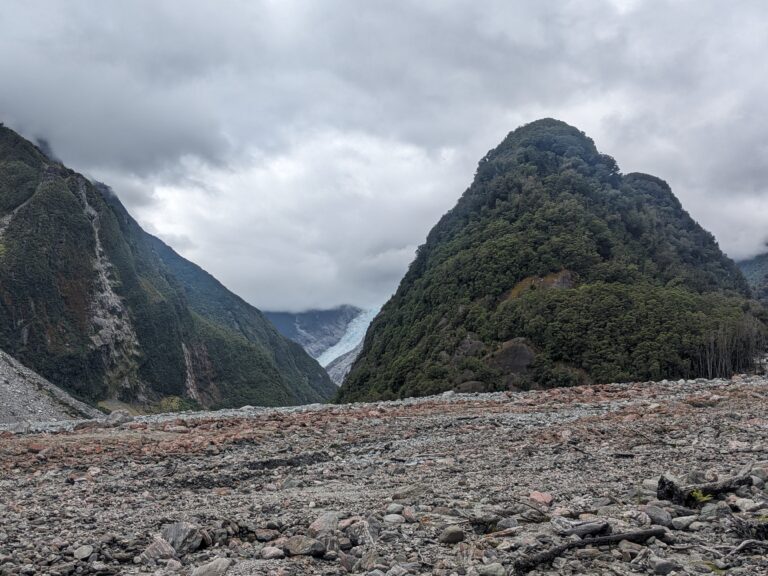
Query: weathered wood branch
{"x": 527, "y": 564}
{"x": 668, "y": 489}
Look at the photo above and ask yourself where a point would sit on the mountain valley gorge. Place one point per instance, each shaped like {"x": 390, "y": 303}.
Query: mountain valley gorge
{"x": 569, "y": 380}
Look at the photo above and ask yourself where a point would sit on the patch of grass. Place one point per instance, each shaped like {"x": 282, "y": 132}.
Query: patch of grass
{"x": 700, "y": 497}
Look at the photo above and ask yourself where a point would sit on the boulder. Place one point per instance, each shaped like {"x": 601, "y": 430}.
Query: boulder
{"x": 185, "y": 537}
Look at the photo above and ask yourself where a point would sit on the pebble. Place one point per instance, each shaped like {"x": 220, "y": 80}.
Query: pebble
{"x": 238, "y": 486}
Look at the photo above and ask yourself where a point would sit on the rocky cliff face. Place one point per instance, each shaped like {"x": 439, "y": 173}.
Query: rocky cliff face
{"x": 106, "y": 311}
{"x": 554, "y": 269}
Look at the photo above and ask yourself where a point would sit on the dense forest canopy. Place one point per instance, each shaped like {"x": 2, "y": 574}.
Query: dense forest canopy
{"x": 755, "y": 270}
{"x": 555, "y": 269}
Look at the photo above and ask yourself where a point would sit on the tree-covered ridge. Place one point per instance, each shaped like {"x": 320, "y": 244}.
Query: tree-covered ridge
{"x": 755, "y": 270}
{"x": 103, "y": 309}
{"x": 644, "y": 291}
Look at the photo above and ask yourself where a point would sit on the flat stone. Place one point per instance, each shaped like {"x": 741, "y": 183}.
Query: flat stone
{"x": 304, "y": 546}
{"x": 394, "y": 519}
{"x": 272, "y": 553}
{"x": 683, "y": 522}
{"x": 215, "y": 568}
{"x": 494, "y": 569}
{"x": 544, "y": 498}
{"x": 83, "y": 552}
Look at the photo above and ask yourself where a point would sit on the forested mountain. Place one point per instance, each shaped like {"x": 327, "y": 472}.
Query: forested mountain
{"x": 755, "y": 270}
{"x": 106, "y": 311}
{"x": 555, "y": 269}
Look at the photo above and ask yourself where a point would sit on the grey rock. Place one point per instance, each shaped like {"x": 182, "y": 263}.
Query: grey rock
{"x": 494, "y": 569}
{"x": 118, "y": 417}
{"x": 304, "y": 546}
{"x": 328, "y": 522}
{"x": 658, "y": 515}
{"x": 394, "y": 519}
{"x": 83, "y": 552}
{"x": 272, "y": 553}
{"x": 215, "y": 568}
{"x": 506, "y": 523}
{"x": 451, "y": 535}
{"x": 661, "y": 565}
{"x": 159, "y": 549}
{"x": 185, "y": 537}
{"x": 683, "y": 522}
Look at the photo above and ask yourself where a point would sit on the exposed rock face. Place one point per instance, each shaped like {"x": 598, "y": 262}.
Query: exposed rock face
{"x": 621, "y": 479}
{"x": 99, "y": 307}
{"x": 25, "y": 396}
{"x": 339, "y": 368}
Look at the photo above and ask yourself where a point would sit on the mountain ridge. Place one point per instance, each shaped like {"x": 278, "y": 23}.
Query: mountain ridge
{"x": 105, "y": 310}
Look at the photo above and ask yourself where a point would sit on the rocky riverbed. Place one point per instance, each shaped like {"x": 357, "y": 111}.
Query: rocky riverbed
{"x": 547, "y": 482}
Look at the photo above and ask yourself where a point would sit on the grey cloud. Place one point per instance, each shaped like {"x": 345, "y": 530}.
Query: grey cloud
{"x": 301, "y": 150}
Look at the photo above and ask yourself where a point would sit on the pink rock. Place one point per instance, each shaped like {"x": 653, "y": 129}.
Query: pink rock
{"x": 544, "y": 498}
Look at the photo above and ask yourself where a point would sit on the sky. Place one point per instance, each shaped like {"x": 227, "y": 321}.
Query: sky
{"x": 300, "y": 151}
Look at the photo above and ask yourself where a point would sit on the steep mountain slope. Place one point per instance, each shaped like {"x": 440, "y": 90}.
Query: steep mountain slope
{"x": 25, "y": 396}
{"x": 315, "y": 330}
{"x": 755, "y": 270}
{"x": 103, "y": 309}
{"x": 555, "y": 269}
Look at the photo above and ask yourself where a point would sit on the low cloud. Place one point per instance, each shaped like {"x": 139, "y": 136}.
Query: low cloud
{"x": 300, "y": 151}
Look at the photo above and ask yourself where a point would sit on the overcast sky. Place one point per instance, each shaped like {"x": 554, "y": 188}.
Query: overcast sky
{"x": 301, "y": 150}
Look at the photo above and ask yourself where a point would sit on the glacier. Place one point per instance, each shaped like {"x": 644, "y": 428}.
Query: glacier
{"x": 353, "y": 335}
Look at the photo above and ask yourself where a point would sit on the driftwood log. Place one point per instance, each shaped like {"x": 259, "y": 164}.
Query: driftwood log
{"x": 527, "y": 564}
{"x": 668, "y": 489}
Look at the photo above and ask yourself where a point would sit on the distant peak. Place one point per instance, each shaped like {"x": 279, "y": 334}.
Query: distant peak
{"x": 546, "y": 134}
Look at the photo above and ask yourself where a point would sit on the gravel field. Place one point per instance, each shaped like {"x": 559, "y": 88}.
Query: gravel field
{"x": 563, "y": 481}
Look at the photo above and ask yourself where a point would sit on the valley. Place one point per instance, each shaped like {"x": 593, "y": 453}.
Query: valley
{"x": 475, "y": 484}
{"x": 383, "y": 288}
